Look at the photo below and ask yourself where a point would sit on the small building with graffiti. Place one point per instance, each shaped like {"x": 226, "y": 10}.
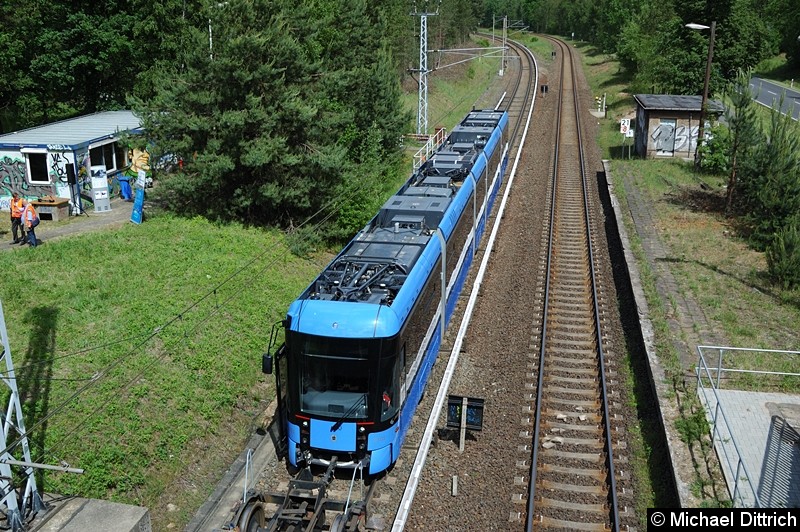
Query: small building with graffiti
{"x": 59, "y": 160}
{"x": 667, "y": 125}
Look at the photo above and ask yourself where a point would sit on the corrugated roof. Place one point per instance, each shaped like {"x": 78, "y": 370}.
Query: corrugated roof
{"x": 74, "y": 132}
{"x": 676, "y": 102}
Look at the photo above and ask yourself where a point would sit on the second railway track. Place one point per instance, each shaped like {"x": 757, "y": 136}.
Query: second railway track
{"x": 572, "y": 480}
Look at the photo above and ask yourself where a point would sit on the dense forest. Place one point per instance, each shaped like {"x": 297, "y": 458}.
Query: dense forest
{"x": 272, "y": 104}
{"x": 64, "y": 58}
{"x": 652, "y": 41}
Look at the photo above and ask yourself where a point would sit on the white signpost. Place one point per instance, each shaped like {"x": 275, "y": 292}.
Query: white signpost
{"x": 627, "y": 133}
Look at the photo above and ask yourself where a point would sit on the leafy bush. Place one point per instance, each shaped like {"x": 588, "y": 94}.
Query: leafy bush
{"x": 783, "y": 257}
{"x": 304, "y": 241}
{"x": 715, "y": 152}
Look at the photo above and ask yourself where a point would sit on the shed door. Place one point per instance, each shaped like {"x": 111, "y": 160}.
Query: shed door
{"x": 664, "y": 137}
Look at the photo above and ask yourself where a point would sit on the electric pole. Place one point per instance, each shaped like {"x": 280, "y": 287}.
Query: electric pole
{"x": 422, "y": 104}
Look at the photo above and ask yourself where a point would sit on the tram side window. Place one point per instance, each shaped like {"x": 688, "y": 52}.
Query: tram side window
{"x": 388, "y": 378}
{"x": 481, "y": 189}
{"x": 495, "y": 160}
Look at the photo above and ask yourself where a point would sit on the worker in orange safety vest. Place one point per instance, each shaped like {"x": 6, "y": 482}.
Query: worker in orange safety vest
{"x": 16, "y": 218}
{"x": 30, "y": 220}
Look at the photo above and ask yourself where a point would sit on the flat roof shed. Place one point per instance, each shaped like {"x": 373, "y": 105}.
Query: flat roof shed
{"x": 667, "y": 125}
{"x": 74, "y": 133}
{"x": 53, "y": 160}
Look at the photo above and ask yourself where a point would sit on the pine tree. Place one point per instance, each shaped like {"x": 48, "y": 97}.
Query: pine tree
{"x": 744, "y": 131}
{"x": 769, "y": 180}
{"x": 273, "y": 117}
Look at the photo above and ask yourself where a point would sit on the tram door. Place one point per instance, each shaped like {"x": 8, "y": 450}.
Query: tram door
{"x": 282, "y": 386}
{"x": 277, "y": 363}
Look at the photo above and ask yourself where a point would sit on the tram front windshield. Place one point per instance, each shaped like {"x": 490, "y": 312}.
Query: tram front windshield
{"x": 334, "y": 378}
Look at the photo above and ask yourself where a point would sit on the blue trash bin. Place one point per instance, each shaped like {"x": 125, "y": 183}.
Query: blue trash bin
{"x": 125, "y": 188}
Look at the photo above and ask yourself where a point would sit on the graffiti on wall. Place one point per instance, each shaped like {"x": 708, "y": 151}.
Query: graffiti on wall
{"x": 140, "y": 160}
{"x": 667, "y": 137}
{"x": 12, "y": 176}
{"x": 58, "y": 168}
{"x": 82, "y": 167}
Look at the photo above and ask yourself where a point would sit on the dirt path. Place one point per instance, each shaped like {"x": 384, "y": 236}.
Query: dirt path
{"x": 48, "y": 230}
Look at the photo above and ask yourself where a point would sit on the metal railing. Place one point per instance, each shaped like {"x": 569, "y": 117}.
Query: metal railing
{"x": 709, "y": 379}
{"x": 431, "y": 144}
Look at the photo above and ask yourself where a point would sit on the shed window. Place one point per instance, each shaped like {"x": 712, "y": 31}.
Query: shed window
{"x": 108, "y": 157}
{"x": 112, "y": 155}
{"x": 37, "y": 168}
{"x": 120, "y": 156}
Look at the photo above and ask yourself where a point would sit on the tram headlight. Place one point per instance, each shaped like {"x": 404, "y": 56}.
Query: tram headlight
{"x": 362, "y": 428}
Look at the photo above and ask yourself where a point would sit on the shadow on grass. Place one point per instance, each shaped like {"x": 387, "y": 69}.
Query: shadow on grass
{"x": 618, "y": 107}
{"x": 709, "y": 201}
{"x": 701, "y": 199}
{"x": 34, "y": 378}
{"x": 622, "y": 152}
{"x": 761, "y": 276}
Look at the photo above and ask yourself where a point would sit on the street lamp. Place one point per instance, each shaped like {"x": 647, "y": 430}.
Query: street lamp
{"x": 210, "y": 39}
{"x": 700, "y": 133}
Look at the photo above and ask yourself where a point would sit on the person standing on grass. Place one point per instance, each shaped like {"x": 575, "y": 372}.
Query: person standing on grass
{"x": 16, "y": 218}
{"x": 30, "y": 220}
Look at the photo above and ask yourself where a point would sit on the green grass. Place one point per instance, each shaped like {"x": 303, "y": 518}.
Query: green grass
{"x": 711, "y": 260}
{"x": 778, "y": 70}
{"x": 542, "y": 48}
{"x": 137, "y": 353}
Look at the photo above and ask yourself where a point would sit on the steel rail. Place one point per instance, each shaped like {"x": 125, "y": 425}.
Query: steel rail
{"x": 590, "y": 269}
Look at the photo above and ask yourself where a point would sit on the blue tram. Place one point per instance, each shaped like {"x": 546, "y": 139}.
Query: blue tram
{"x": 360, "y": 341}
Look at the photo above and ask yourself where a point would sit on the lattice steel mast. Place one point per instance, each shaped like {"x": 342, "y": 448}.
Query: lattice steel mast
{"x": 422, "y": 107}
{"x": 15, "y": 506}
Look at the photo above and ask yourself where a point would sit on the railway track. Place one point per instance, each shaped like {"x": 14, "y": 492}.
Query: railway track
{"x": 495, "y": 483}
{"x": 572, "y": 476}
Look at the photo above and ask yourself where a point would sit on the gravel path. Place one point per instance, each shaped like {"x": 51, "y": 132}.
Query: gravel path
{"x": 48, "y": 230}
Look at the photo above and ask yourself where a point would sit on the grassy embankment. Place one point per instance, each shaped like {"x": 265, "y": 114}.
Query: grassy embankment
{"x": 709, "y": 258}
{"x": 137, "y": 350}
